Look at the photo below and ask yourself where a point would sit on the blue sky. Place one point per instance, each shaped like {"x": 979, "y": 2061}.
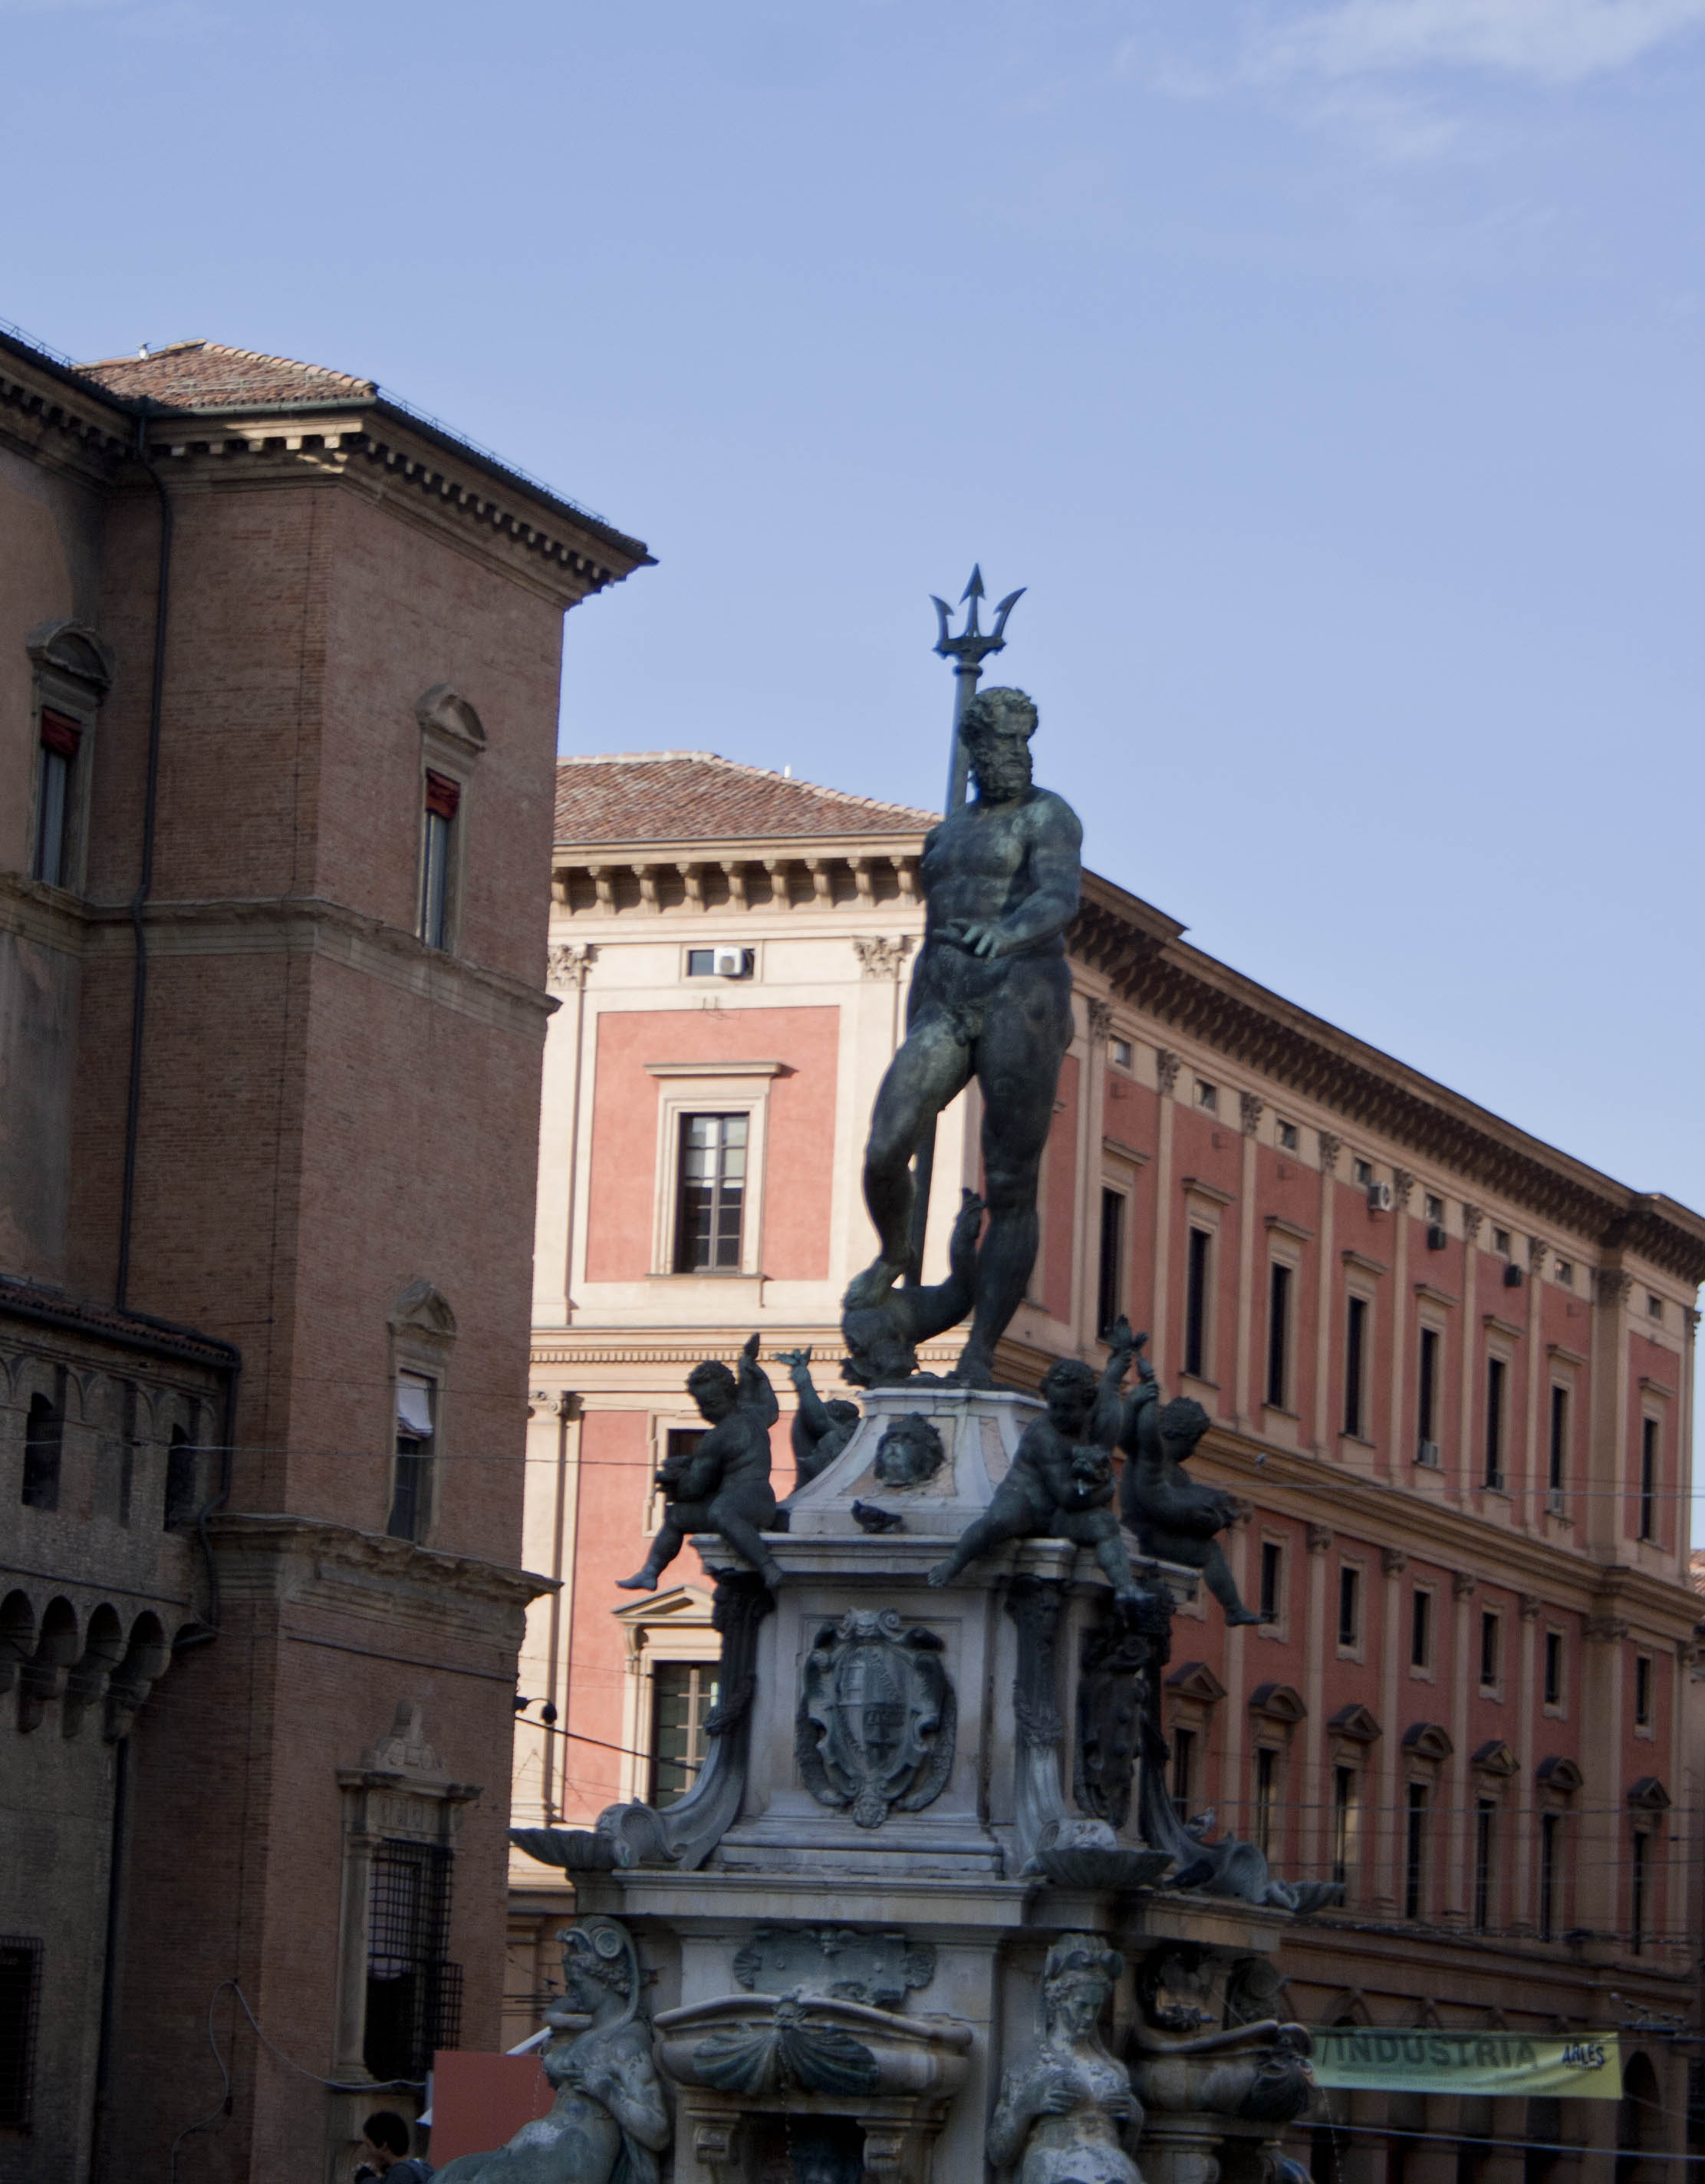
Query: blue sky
{"x": 1328, "y": 370}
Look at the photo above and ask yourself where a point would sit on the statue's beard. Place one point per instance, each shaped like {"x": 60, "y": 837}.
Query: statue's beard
{"x": 999, "y": 778}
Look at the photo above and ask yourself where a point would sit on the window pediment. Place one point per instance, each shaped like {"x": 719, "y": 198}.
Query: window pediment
{"x": 1495, "y": 1757}
{"x": 1427, "y": 1739}
{"x": 1649, "y": 1795}
{"x": 1277, "y": 1702}
{"x": 443, "y": 711}
{"x": 1560, "y": 1774}
{"x": 71, "y": 649}
{"x": 1355, "y": 1722}
{"x": 1195, "y": 1681}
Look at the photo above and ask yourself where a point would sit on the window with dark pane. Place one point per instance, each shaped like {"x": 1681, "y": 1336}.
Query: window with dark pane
{"x": 1559, "y": 1446}
{"x": 416, "y": 1434}
{"x": 1640, "y": 1881}
{"x": 181, "y": 1499}
{"x": 1272, "y": 1579}
{"x": 1642, "y": 1691}
{"x": 1196, "y": 1302}
{"x": 1346, "y": 1822}
{"x": 1648, "y": 1479}
{"x": 20, "y": 2003}
{"x": 1183, "y": 1769}
{"x": 414, "y": 1995}
{"x": 443, "y": 800}
{"x": 1349, "y": 1605}
{"x": 1278, "y": 1335}
{"x": 1549, "y": 1830}
{"x": 1415, "y": 1851}
{"x": 1497, "y": 1375}
{"x": 1110, "y": 1282}
{"x": 712, "y": 1194}
{"x": 1355, "y": 1365}
{"x": 1266, "y": 1796}
{"x": 1427, "y": 1399}
{"x": 1553, "y": 1667}
{"x": 1491, "y": 1632}
{"x": 43, "y": 1432}
{"x": 1421, "y": 1631}
{"x": 60, "y": 739}
{"x": 1485, "y": 1846}
{"x": 682, "y": 1693}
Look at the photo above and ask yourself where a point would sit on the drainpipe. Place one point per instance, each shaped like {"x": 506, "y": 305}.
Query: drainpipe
{"x": 139, "y": 993}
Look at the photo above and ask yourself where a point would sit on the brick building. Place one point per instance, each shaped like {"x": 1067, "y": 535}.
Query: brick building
{"x": 279, "y": 667}
{"x": 1450, "y": 1369}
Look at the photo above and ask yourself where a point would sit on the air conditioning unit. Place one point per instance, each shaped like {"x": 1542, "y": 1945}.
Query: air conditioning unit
{"x": 1380, "y": 1198}
{"x": 1427, "y": 1453}
{"x": 1437, "y": 1235}
{"x": 1513, "y": 1277}
{"x": 733, "y": 962}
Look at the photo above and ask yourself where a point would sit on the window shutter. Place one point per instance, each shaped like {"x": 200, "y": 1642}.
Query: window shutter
{"x": 60, "y": 734}
{"x": 443, "y": 794}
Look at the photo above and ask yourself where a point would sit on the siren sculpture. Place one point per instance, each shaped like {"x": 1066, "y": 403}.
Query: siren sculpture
{"x": 609, "y": 2121}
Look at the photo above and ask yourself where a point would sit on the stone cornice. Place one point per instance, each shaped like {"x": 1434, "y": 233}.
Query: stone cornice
{"x": 256, "y": 1553}
{"x": 1147, "y": 965}
{"x": 264, "y": 925}
{"x": 421, "y": 470}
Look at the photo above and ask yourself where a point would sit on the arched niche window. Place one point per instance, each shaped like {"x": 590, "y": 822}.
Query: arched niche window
{"x": 73, "y": 673}
{"x": 452, "y": 740}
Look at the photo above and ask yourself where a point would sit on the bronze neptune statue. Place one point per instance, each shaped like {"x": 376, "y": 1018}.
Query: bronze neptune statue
{"x": 991, "y": 998}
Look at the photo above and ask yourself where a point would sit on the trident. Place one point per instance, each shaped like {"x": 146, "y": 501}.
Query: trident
{"x": 967, "y": 651}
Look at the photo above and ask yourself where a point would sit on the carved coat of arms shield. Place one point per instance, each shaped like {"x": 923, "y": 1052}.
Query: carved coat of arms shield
{"x": 877, "y": 1716}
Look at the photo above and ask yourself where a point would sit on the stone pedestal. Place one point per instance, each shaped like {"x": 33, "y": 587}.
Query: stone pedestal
{"x": 845, "y": 1925}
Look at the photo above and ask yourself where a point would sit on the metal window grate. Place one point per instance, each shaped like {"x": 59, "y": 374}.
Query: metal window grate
{"x": 414, "y": 1995}
{"x": 20, "y": 2001}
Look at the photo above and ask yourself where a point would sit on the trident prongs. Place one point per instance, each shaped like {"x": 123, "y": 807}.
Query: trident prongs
{"x": 972, "y": 644}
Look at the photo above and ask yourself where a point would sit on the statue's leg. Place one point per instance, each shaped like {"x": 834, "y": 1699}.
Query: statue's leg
{"x": 930, "y": 1068}
{"x": 980, "y": 1538}
{"x": 1223, "y": 1586}
{"x": 665, "y": 1547}
{"x": 745, "y": 1539}
{"x": 1025, "y": 1035}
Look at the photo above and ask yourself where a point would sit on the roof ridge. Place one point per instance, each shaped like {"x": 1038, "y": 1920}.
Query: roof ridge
{"x": 230, "y": 348}
{"x": 740, "y": 765}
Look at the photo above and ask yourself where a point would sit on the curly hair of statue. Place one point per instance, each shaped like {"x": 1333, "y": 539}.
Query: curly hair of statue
{"x": 998, "y": 715}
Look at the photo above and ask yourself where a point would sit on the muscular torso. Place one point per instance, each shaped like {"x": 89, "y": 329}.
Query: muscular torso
{"x": 981, "y": 862}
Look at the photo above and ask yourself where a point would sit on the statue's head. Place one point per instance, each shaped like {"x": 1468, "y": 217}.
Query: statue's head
{"x": 879, "y": 1351}
{"x": 1182, "y": 1421}
{"x": 996, "y": 730}
{"x": 598, "y": 1960}
{"x": 714, "y": 1389}
{"x": 1068, "y": 1389}
{"x": 1077, "y": 1980}
{"x": 910, "y": 1451}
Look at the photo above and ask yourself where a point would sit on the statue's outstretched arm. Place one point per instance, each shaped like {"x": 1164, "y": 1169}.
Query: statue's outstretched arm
{"x": 755, "y": 1392}
{"x": 1106, "y": 1420}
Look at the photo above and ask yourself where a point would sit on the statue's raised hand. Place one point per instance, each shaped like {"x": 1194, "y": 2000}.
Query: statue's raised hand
{"x": 796, "y": 1361}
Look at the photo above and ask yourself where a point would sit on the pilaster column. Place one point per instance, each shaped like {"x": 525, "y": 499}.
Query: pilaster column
{"x": 1167, "y": 1067}
{"x": 1324, "y": 1438}
{"x": 1231, "y": 1790}
{"x": 1463, "y": 1668}
{"x": 1604, "y": 1506}
{"x": 1314, "y": 1696}
{"x": 1525, "y": 1849}
{"x": 1092, "y": 1086}
{"x": 1245, "y": 1404}
{"x": 567, "y": 963}
{"x": 1529, "y": 1502}
{"x": 1396, "y": 1442}
{"x": 1387, "y": 1821}
{"x": 1469, "y": 1348}
{"x": 1602, "y": 1848}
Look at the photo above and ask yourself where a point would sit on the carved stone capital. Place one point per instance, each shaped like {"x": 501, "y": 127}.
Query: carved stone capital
{"x": 1613, "y": 1287}
{"x": 1463, "y": 1584}
{"x": 1319, "y": 1539}
{"x": 1606, "y": 1630}
{"x": 1402, "y": 1183}
{"x": 880, "y": 958}
{"x": 1538, "y": 1253}
{"x": 1392, "y": 1560}
{"x": 1473, "y": 1220}
{"x": 566, "y": 965}
{"x": 1691, "y": 1317}
{"x": 1100, "y": 1014}
{"x": 1331, "y": 1145}
{"x": 1250, "y": 1107}
{"x": 1530, "y": 1605}
{"x": 1166, "y": 1067}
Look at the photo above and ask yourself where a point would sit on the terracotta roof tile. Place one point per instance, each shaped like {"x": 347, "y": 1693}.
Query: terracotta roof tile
{"x": 685, "y": 796}
{"x": 203, "y": 375}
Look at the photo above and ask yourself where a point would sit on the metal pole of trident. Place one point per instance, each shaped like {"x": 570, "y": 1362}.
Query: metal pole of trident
{"x": 967, "y": 651}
